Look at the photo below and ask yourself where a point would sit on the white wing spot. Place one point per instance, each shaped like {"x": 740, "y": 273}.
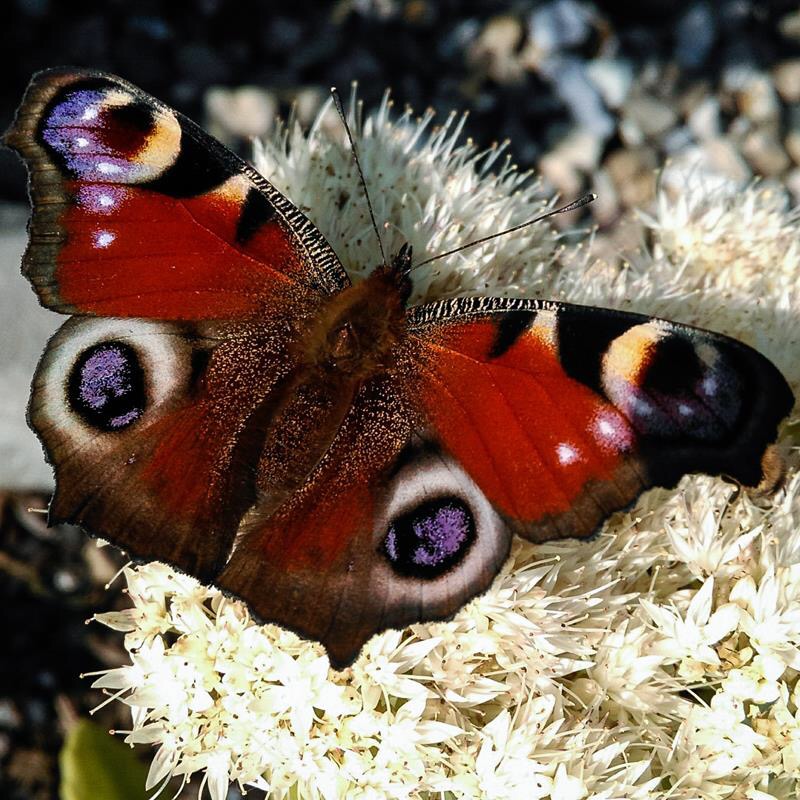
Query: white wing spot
{"x": 105, "y": 200}
{"x": 567, "y": 454}
{"x": 685, "y": 410}
{"x": 89, "y": 113}
{"x": 710, "y": 385}
{"x": 610, "y": 430}
{"x": 605, "y": 428}
{"x": 103, "y": 238}
{"x": 106, "y": 168}
{"x": 82, "y": 141}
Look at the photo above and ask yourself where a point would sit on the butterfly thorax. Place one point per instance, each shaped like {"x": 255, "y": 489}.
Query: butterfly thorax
{"x": 357, "y": 331}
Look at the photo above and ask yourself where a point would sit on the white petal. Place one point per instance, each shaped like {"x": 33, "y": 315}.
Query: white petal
{"x": 722, "y": 622}
{"x": 744, "y": 592}
{"x": 119, "y": 678}
{"x": 567, "y": 787}
{"x": 700, "y": 607}
{"x": 411, "y": 710}
{"x": 125, "y": 621}
{"x": 413, "y": 653}
{"x": 218, "y": 783}
{"x": 146, "y": 735}
{"x": 740, "y": 544}
{"x": 161, "y": 766}
{"x": 432, "y": 732}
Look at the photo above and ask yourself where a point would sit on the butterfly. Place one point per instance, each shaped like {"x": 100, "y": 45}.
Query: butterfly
{"x": 225, "y": 400}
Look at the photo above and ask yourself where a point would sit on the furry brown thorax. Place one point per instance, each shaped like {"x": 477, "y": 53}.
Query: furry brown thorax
{"x": 357, "y": 330}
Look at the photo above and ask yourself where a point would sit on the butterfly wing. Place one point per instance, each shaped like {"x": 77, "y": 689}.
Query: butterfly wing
{"x": 497, "y": 415}
{"x": 573, "y": 410}
{"x": 153, "y": 429}
{"x": 190, "y": 275}
{"x": 139, "y": 213}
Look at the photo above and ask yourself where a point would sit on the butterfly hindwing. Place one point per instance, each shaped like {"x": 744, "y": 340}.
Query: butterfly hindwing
{"x": 139, "y": 213}
{"x": 358, "y": 548}
{"x": 153, "y": 429}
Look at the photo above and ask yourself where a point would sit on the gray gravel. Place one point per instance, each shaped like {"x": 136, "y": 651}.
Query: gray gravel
{"x": 24, "y": 328}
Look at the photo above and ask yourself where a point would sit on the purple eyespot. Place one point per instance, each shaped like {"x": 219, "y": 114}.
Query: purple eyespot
{"x": 106, "y": 386}
{"x": 96, "y": 137}
{"x": 433, "y": 537}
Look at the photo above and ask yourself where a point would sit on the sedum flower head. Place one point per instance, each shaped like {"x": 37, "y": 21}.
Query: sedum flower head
{"x": 658, "y": 660}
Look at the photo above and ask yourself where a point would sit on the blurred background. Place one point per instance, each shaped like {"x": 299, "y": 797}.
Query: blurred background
{"x": 594, "y": 96}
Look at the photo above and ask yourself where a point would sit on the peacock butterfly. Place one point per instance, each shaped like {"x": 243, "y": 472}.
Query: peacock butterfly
{"x": 225, "y": 400}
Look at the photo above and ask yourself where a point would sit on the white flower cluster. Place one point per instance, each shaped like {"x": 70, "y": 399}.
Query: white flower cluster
{"x": 660, "y": 659}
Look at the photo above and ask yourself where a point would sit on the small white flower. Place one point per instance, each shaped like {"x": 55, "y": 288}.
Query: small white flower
{"x": 693, "y": 636}
{"x": 771, "y": 612}
{"x": 708, "y": 547}
{"x": 757, "y": 682}
{"x": 628, "y": 672}
{"x": 504, "y": 766}
{"x": 716, "y": 746}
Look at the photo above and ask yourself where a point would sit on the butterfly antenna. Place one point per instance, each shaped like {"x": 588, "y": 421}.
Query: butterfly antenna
{"x": 337, "y": 101}
{"x": 579, "y": 203}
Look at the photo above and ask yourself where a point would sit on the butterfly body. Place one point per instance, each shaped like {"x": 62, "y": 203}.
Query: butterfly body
{"x": 224, "y": 399}
{"x": 357, "y": 331}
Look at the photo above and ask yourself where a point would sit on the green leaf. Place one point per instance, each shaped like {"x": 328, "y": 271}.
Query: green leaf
{"x": 96, "y": 766}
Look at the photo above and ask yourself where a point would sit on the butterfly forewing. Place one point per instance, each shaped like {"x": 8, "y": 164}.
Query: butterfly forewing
{"x": 573, "y": 410}
{"x": 138, "y": 213}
